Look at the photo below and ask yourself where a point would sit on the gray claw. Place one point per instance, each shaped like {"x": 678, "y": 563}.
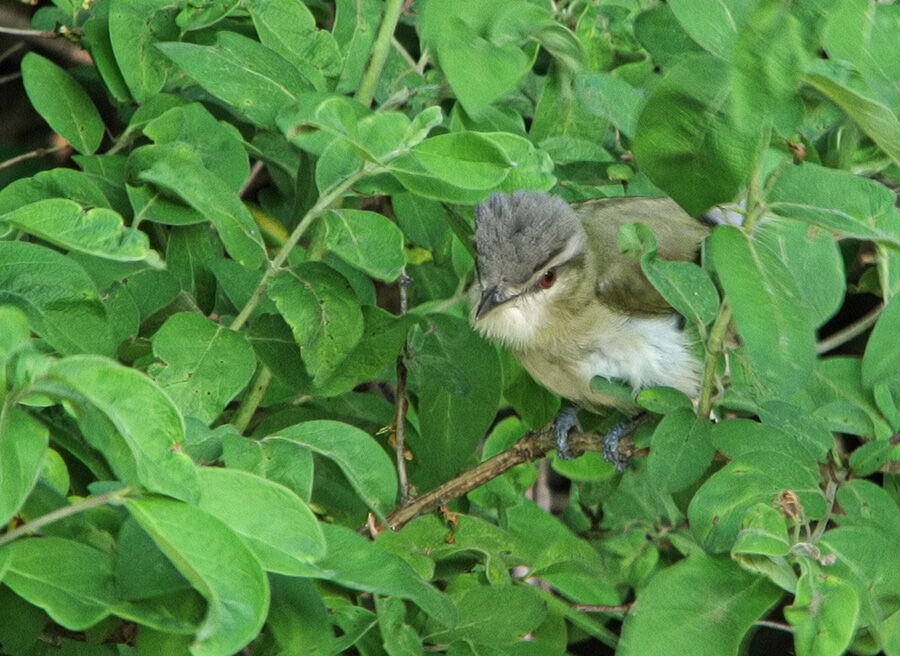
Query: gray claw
{"x": 565, "y": 421}
{"x": 611, "y": 451}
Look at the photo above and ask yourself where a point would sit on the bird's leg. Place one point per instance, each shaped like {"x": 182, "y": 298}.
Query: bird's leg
{"x": 565, "y": 421}
{"x": 615, "y": 435}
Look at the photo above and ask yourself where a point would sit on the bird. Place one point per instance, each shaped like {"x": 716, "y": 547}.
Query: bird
{"x": 553, "y": 287}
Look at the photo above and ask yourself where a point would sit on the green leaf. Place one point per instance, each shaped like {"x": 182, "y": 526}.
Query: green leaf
{"x": 148, "y": 423}
{"x": 712, "y": 24}
{"x": 496, "y": 615}
{"x": 703, "y": 606}
{"x": 468, "y": 160}
{"x": 22, "y": 451}
{"x": 824, "y": 613}
{"x": 662, "y": 36}
{"x": 382, "y": 339}
{"x": 680, "y": 450}
{"x": 763, "y": 531}
{"x": 612, "y": 98}
{"x": 362, "y": 460}
{"x": 177, "y": 169}
{"x": 814, "y": 259}
{"x": 217, "y": 143}
{"x": 71, "y": 581}
{"x": 529, "y": 168}
{"x": 456, "y": 377}
{"x": 835, "y": 200}
{"x": 65, "y": 223}
{"x": 686, "y": 287}
{"x": 61, "y": 102}
{"x": 289, "y": 29}
{"x": 97, "y": 41}
{"x": 700, "y": 155}
{"x": 60, "y": 300}
{"x": 881, "y": 360}
{"x": 400, "y": 639}
{"x": 199, "y": 16}
{"x": 204, "y": 365}
{"x": 55, "y": 183}
{"x": 256, "y": 82}
{"x": 359, "y": 564}
{"x": 867, "y": 504}
{"x": 135, "y": 28}
{"x": 876, "y": 120}
{"x": 719, "y": 506}
{"x": 779, "y": 342}
{"x": 423, "y": 221}
{"x": 323, "y": 313}
{"x": 366, "y": 240}
{"x": 462, "y": 32}
{"x": 273, "y": 521}
{"x": 198, "y": 545}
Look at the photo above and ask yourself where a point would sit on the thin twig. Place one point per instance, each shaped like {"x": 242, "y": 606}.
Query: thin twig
{"x": 531, "y": 447}
{"x": 61, "y": 513}
{"x": 16, "y": 31}
{"x": 40, "y": 152}
{"x": 847, "y": 333}
{"x": 251, "y": 178}
{"x": 401, "y": 403}
{"x": 380, "y": 50}
{"x": 775, "y": 625}
{"x": 602, "y": 608}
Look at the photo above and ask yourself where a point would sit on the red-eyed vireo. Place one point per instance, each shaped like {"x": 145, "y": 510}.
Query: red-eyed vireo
{"x": 554, "y": 289}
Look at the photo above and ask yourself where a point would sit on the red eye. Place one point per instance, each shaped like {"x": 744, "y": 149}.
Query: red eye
{"x": 548, "y": 278}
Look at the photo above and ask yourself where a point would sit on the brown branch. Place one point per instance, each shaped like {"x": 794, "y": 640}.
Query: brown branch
{"x": 400, "y": 400}
{"x": 531, "y": 447}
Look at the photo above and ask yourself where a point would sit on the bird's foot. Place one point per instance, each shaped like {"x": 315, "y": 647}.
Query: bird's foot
{"x": 611, "y": 452}
{"x": 565, "y": 421}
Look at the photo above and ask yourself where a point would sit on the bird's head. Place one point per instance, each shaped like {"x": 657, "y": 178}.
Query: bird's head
{"x": 531, "y": 251}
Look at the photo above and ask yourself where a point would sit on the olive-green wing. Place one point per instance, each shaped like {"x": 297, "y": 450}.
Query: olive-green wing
{"x": 620, "y": 282}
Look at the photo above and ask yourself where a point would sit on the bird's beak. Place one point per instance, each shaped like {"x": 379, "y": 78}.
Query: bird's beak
{"x": 490, "y": 298}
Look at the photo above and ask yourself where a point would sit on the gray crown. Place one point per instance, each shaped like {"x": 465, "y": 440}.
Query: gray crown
{"x": 515, "y": 233}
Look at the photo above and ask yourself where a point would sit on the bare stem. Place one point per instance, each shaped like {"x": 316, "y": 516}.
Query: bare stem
{"x": 714, "y": 348}
{"x": 314, "y": 212}
{"x": 255, "y": 393}
{"x": 380, "y": 50}
{"x": 66, "y": 511}
{"x": 847, "y": 333}
{"x": 40, "y": 152}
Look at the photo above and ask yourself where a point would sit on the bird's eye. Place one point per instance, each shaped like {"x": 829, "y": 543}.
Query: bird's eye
{"x": 548, "y": 278}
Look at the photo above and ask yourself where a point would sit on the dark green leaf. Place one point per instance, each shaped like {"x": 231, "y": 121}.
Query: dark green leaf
{"x": 363, "y": 461}
{"x": 62, "y": 103}
{"x": 60, "y": 300}
{"x": 610, "y": 97}
{"x": 323, "y": 314}
{"x": 55, "y": 183}
{"x": 256, "y": 82}
{"x": 881, "y": 361}
{"x": 496, "y": 615}
{"x": 699, "y": 155}
{"x": 134, "y": 30}
{"x": 178, "y": 170}
{"x": 450, "y": 366}
{"x": 714, "y": 25}
{"x": 204, "y": 365}
{"x": 824, "y": 613}
{"x": 680, "y": 450}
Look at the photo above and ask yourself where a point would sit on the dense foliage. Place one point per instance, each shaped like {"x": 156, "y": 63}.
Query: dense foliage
{"x": 264, "y": 203}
